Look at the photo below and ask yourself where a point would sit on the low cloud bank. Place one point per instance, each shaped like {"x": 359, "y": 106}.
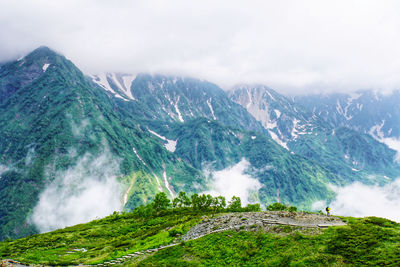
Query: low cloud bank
{"x": 361, "y": 200}
{"x": 233, "y": 181}
{"x": 82, "y": 193}
{"x": 393, "y": 143}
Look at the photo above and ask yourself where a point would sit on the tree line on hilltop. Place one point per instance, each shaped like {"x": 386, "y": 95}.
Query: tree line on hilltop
{"x": 203, "y": 203}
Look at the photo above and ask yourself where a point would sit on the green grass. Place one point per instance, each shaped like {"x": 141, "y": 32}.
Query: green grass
{"x": 104, "y": 239}
{"x": 367, "y": 242}
{"x": 363, "y": 242}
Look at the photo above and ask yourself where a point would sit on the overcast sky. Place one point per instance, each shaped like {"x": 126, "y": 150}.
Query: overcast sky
{"x": 291, "y": 46}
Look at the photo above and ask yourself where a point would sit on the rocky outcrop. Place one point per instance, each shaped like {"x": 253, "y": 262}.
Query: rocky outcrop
{"x": 260, "y": 221}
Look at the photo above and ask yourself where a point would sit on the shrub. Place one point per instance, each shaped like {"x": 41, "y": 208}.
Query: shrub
{"x": 380, "y": 221}
{"x": 252, "y": 207}
{"x": 292, "y": 209}
{"x": 174, "y": 232}
{"x": 276, "y": 207}
{"x": 279, "y": 206}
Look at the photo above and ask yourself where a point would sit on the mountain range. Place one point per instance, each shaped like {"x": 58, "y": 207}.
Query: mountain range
{"x": 74, "y": 147}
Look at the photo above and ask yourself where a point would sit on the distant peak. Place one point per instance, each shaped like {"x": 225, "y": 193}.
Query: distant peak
{"x": 43, "y": 48}
{"x": 42, "y": 51}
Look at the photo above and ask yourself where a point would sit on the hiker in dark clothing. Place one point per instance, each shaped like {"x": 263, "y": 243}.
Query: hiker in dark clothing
{"x": 328, "y": 211}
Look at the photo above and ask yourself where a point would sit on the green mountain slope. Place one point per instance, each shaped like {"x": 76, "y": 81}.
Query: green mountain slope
{"x": 51, "y": 118}
{"x": 350, "y": 155}
{"x": 167, "y": 98}
{"x": 313, "y": 132}
{"x": 291, "y": 178}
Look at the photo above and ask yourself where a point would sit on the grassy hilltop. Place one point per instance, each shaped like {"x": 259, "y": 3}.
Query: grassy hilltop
{"x": 363, "y": 241}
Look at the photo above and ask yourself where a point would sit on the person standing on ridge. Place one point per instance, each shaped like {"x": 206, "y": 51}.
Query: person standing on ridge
{"x": 328, "y": 211}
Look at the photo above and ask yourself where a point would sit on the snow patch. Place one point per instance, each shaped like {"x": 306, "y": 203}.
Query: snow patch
{"x": 273, "y": 98}
{"x": 279, "y": 141}
{"x": 167, "y": 185}
{"x": 270, "y": 125}
{"x": 211, "y": 108}
{"x": 339, "y": 108}
{"x": 350, "y": 100}
{"x": 114, "y": 78}
{"x": 101, "y": 80}
{"x": 140, "y": 158}
{"x": 278, "y": 113}
{"x": 294, "y": 132}
{"x": 170, "y": 145}
{"x": 125, "y": 86}
{"x": 45, "y": 66}
{"x": 156, "y": 134}
{"x": 128, "y": 79}
{"x": 120, "y": 97}
{"x": 177, "y": 109}
{"x": 250, "y": 101}
{"x": 376, "y": 131}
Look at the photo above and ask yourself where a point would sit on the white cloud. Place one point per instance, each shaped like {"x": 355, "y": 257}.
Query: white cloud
{"x": 393, "y": 143}
{"x": 290, "y": 45}
{"x": 361, "y": 200}
{"x": 319, "y": 205}
{"x": 233, "y": 181}
{"x": 80, "y": 194}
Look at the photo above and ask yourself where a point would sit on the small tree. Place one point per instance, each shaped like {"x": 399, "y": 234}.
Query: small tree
{"x": 292, "y": 209}
{"x": 195, "y": 201}
{"x": 208, "y": 201}
{"x": 182, "y": 200}
{"x": 144, "y": 211}
{"x": 235, "y": 204}
{"x": 161, "y": 201}
{"x": 219, "y": 203}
